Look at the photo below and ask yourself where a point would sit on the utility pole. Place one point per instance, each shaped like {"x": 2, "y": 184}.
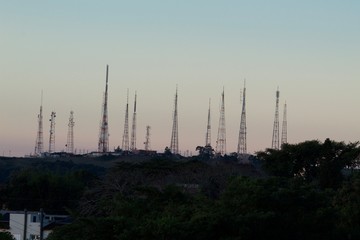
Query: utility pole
{"x": 25, "y": 224}
{"x": 41, "y": 224}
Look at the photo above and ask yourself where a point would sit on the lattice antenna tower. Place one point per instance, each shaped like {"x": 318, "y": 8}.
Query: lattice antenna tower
{"x": 284, "y": 126}
{"x": 70, "y": 135}
{"x": 103, "y": 145}
{"x": 147, "y": 139}
{"x": 241, "y": 149}
{"x": 221, "y": 138}
{"x": 52, "y": 133}
{"x": 39, "y": 144}
{"x": 275, "y": 138}
{"x": 133, "y": 129}
{"x": 208, "y": 128}
{"x": 174, "y": 144}
{"x": 125, "y": 140}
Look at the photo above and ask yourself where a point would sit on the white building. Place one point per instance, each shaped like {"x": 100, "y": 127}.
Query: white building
{"x": 32, "y": 228}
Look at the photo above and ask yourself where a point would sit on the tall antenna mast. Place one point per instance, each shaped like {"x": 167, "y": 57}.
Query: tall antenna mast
{"x": 241, "y": 149}
{"x": 221, "y": 138}
{"x": 70, "y": 135}
{"x": 103, "y": 145}
{"x": 275, "y": 138}
{"x": 208, "y": 128}
{"x": 52, "y": 133}
{"x": 147, "y": 139}
{"x": 174, "y": 145}
{"x": 284, "y": 126}
{"x": 125, "y": 140}
{"x": 39, "y": 144}
{"x": 133, "y": 130}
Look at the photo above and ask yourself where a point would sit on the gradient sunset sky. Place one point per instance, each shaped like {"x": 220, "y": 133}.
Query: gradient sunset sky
{"x": 310, "y": 49}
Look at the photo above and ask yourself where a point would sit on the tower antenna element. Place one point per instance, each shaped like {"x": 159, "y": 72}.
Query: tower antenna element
{"x": 125, "y": 140}
{"x": 39, "y": 144}
{"x": 52, "y": 133}
{"x": 133, "y": 129}
{"x": 241, "y": 149}
{"x": 70, "y": 135}
{"x": 275, "y": 138}
{"x": 221, "y": 138}
{"x": 208, "y": 128}
{"x": 147, "y": 139}
{"x": 103, "y": 144}
{"x": 174, "y": 144}
{"x": 284, "y": 127}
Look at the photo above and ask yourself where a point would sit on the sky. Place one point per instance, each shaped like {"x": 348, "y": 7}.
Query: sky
{"x": 310, "y": 49}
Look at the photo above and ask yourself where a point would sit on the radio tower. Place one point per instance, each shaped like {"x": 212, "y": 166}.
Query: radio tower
{"x": 275, "y": 137}
{"x": 241, "y": 149}
{"x": 147, "y": 139}
{"x": 52, "y": 133}
{"x": 70, "y": 135}
{"x": 174, "y": 145}
{"x": 125, "y": 140}
{"x": 39, "y": 144}
{"x": 103, "y": 145}
{"x": 208, "y": 129}
{"x": 133, "y": 130}
{"x": 284, "y": 127}
{"x": 221, "y": 138}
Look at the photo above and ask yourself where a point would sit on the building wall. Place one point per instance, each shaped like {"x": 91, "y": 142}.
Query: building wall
{"x": 17, "y": 225}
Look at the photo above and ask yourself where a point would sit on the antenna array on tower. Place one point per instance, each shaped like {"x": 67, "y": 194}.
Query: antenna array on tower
{"x": 103, "y": 145}
{"x": 174, "y": 144}
{"x": 52, "y": 133}
{"x": 221, "y": 138}
{"x": 275, "y": 138}
{"x": 241, "y": 149}
{"x": 125, "y": 140}
{"x": 70, "y": 135}
{"x": 147, "y": 139}
{"x": 133, "y": 129}
{"x": 284, "y": 127}
{"x": 39, "y": 144}
{"x": 208, "y": 128}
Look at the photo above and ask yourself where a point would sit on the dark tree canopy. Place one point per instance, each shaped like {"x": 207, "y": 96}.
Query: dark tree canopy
{"x": 312, "y": 161}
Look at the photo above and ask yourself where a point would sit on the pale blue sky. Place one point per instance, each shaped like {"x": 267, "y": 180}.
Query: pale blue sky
{"x": 310, "y": 49}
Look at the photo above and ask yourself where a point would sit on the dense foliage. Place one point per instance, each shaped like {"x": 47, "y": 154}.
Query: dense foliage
{"x": 275, "y": 208}
{"x": 6, "y": 236}
{"x": 311, "y": 190}
{"x": 33, "y": 189}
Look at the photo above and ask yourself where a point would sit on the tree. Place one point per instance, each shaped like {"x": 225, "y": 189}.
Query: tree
{"x": 206, "y": 152}
{"x": 6, "y": 236}
{"x": 347, "y": 205}
{"x": 36, "y": 188}
{"x": 311, "y": 160}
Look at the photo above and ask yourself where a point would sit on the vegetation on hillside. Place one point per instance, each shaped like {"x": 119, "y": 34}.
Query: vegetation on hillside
{"x": 309, "y": 190}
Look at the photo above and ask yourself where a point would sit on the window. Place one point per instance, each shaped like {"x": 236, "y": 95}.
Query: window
{"x": 34, "y": 237}
{"x": 33, "y": 218}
